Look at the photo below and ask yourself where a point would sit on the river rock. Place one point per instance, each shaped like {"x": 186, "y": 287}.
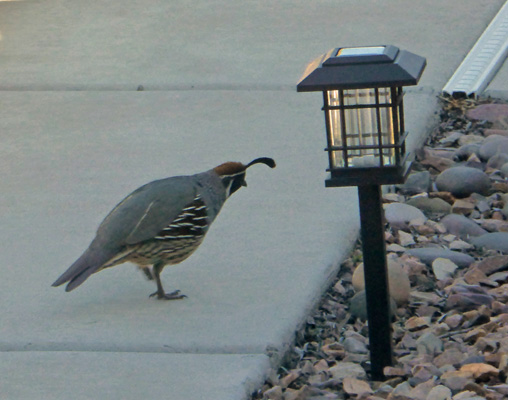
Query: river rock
{"x": 461, "y": 226}
{"x": 398, "y": 281}
{"x": 439, "y": 392}
{"x": 405, "y": 239}
{"x": 495, "y": 113}
{"x": 460, "y": 245}
{"x": 353, "y": 345}
{"x": 345, "y": 369}
{"x": 428, "y": 343}
{"x": 429, "y": 205}
{"x": 358, "y": 305}
{"x": 463, "y": 181}
{"x": 465, "y": 151}
{"x": 471, "y": 139}
{"x": 504, "y": 170}
{"x": 493, "y": 240}
{"x": 418, "y": 182}
{"x": 451, "y": 138}
{"x": 498, "y": 132}
{"x": 492, "y": 264}
{"x": 443, "y": 268}
{"x": 463, "y": 206}
{"x": 429, "y": 254}
{"x": 474, "y": 162}
{"x": 468, "y": 301}
{"x": 497, "y": 161}
{"x": 492, "y": 146}
{"x": 399, "y": 214}
{"x": 494, "y": 225}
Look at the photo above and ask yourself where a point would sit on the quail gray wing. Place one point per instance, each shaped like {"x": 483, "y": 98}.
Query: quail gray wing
{"x": 147, "y": 211}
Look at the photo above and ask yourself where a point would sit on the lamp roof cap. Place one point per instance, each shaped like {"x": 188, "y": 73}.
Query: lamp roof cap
{"x": 362, "y": 67}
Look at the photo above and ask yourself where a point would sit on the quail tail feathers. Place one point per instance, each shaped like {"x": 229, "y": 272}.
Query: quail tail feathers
{"x": 91, "y": 261}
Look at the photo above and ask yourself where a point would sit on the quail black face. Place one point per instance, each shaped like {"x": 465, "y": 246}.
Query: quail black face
{"x": 234, "y": 182}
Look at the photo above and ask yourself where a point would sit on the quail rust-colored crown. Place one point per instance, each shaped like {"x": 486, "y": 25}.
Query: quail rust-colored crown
{"x": 229, "y": 168}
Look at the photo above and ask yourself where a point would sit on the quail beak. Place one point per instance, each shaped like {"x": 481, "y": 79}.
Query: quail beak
{"x": 244, "y": 183}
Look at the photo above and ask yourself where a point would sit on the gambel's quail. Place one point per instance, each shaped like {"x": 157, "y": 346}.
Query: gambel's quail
{"x": 161, "y": 223}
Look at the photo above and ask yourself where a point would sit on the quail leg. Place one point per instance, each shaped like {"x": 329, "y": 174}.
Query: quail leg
{"x": 161, "y": 295}
{"x": 147, "y": 272}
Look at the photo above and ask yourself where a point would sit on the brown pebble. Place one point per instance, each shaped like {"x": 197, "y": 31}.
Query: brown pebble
{"x": 453, "y": 321}
{"x": 417, "y": 323}
{"x": 480, "y": 371}
{"x": 473, "y": 335}
{"x": 474, "y": 387}
{"x": 462, "y": 206}
{"x": 446, "y": 196}
{"x": 486, "y": 345}
{"x": 438, "y": 163}
{"x": 500, "y": 293}
{"x": 491, "y": 264}
{"x": 321, "y": 365}
{"x": 474, "y": 275}
{"x": 500, "y": 187}
{"x": 497, "y": 215}
{"x": 456, "y": 380}
{"x": 449, "y": 357}
{"x": 391, "y": 372}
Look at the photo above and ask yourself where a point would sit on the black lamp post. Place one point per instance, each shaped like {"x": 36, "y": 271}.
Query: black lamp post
{"x": 364, "y": 115}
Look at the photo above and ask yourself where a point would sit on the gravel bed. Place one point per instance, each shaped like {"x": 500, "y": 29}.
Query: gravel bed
{"x": 447, "y": 246}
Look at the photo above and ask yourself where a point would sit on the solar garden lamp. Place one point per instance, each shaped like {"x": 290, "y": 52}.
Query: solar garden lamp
{"x": 364, "y": 117}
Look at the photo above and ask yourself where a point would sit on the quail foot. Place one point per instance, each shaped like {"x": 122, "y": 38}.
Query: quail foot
{"x": 161, "y": 223}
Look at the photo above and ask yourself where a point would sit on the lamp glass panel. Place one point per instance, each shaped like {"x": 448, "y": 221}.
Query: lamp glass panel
{"x": 366, "y": 121}
{"x": 361, "y": 51}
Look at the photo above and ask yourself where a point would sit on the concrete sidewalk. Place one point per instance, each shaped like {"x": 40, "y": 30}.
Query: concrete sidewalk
{"x": 219, "y": 84}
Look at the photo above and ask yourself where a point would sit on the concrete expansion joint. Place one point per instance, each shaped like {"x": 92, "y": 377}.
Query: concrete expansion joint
{"x": 426, "y": 90}
{"x": 150, "y": 88}
{"x": 108, "y": 348}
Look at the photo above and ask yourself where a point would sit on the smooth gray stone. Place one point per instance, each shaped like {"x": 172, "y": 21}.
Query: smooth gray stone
{"x": 497, "y": 161}
{"x": 353, "y": 345}
{"x": 428, "y": 343}
{"x": 358, "y": 305}
{"x": 430, "y": 206}
{"x": 461, "y": 226}
{"x": 418, "y": 182}
{"x": 399, "y": 214}
{"x": 493, "y": 240}
{"x": 463, "y": 181}
{"x": 429, "y": 254}
{"x": 451, "y": 139}
{"x": 465, "y": 151}
{"x": 492, "y": 147}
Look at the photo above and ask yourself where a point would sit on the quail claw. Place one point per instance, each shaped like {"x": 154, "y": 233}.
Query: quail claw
{"x": 169, "y": 296}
